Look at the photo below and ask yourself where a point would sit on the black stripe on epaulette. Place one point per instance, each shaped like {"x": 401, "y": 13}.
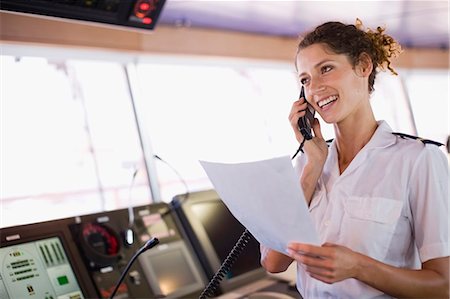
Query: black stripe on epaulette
{"x": 424, "y": 141}
{"x": 329, "y": 140}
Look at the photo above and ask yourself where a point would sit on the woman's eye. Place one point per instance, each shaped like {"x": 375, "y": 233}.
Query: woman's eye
{"x": 326, "y": 68}
{"x": 303, "y": 81}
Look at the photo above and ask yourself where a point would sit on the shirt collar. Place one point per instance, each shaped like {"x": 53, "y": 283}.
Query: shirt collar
{"x": 382, "y": 137}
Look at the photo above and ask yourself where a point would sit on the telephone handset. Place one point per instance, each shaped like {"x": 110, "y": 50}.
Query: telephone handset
{"x": 304, "y": 123}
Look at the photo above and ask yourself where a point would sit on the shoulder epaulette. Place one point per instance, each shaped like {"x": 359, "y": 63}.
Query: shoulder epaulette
{"x": 424, "y": 141}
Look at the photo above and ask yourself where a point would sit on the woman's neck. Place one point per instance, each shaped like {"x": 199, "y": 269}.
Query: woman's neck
{"x": 352, "y": 135}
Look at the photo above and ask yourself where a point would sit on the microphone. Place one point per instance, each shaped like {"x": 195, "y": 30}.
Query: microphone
{"x": 149, "y": 244}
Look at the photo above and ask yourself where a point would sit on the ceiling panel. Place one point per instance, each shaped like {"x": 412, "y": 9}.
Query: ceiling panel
{"x": 413, "y": 23}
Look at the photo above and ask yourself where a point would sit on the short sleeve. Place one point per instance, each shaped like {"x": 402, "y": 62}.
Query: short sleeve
{"x": 429, "y": 202}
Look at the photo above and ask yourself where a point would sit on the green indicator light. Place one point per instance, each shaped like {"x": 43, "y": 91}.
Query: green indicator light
{"x": 62, "y": 280}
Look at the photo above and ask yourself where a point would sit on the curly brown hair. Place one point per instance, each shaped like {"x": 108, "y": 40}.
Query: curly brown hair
{"x": 353, "y": 40}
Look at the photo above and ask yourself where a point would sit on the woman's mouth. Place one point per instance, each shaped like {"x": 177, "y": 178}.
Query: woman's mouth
{"x": 327, "y": 101}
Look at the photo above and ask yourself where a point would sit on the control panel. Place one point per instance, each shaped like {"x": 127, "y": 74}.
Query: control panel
{"x": 85, "y": 256}
{"x": 130, "y": 13}
{"x": 38, "y": 269}
{"x": 108, "y": 242}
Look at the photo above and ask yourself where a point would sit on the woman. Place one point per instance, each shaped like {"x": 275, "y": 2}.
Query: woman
{"x": 379, "y": 201}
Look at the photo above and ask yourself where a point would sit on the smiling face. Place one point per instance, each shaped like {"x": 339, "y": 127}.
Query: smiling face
{"x": 336, "y": 89}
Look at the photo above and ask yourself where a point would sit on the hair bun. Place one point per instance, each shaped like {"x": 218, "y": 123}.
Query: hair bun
{"x": 385, "y": 46}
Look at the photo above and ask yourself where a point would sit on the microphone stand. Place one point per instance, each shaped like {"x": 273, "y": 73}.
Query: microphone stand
{"x": 149, "y": 244}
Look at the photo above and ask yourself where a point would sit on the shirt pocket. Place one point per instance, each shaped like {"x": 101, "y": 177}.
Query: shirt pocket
{"x": 369, "y": 223}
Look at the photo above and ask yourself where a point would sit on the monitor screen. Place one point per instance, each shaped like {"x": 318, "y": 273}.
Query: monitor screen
{"x": 171, "y": 271}
{"x": 37, "y": 269}
{"x": 223, "y": 231}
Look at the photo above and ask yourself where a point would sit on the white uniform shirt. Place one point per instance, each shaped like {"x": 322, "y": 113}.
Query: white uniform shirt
{"x": 391, "y": 203}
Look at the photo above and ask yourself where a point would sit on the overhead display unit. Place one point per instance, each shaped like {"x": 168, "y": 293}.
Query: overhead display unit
{"x": 142, "y": 14}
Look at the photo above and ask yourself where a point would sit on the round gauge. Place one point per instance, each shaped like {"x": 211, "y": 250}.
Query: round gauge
{"x": 100, "y": 243}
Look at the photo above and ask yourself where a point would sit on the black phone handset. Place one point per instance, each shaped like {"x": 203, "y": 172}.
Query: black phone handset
{"x": 305, "y": 122}
{"x": 214, "y": 283}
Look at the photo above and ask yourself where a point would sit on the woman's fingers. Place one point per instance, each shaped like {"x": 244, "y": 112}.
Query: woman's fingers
{"x": 297, "y": 110}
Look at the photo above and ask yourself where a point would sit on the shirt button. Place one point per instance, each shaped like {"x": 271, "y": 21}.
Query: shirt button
{"x": 327, "y": 223}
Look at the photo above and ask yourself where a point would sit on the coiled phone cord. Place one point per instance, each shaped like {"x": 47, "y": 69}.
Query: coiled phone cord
{"x": 226, "y": 265}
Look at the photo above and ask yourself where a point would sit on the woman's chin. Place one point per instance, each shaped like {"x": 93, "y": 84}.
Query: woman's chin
{"x": 328, "y": 120}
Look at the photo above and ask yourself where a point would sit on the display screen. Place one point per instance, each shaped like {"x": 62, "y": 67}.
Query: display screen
{"x": 223, "y": 231}
{"x": 170, "y": 270}
{"x": 37, "y": 269}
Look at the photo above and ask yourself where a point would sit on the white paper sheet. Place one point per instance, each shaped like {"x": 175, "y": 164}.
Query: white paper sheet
{"x": 265, "y": 196}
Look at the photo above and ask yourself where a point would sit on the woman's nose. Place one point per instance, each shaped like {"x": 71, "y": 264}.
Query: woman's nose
{"x": 315, "y": 86}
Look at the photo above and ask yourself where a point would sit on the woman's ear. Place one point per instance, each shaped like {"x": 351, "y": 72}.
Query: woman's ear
{"x": 364, "y": 66}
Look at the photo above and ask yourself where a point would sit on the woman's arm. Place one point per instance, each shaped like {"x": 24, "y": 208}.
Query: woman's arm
{"x": 273, "y": 261}
{"x": 316, "y": 151}
{"x": 332, "y": 263}
{"x": 432, "y": 281}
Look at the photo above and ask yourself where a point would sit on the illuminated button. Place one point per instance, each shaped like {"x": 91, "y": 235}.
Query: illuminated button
{"x": 62, "y": 280}
{"x": 147, "y": 20}
{"x": 144, "y": 6}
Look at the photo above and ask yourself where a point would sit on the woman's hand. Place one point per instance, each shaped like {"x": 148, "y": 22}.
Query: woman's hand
{"x": 331, "y": 263}
{"x": 298, "y": 110}
{"x": 328, "y": 263}
{"x": 316, "y": 149}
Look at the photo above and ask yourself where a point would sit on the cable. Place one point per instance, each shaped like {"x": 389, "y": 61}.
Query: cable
{"x": 300, "y": 148}
{"x": 149, "y": 244}
{"x": 214, "y": 283}
{"x": 186, "y": 194}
